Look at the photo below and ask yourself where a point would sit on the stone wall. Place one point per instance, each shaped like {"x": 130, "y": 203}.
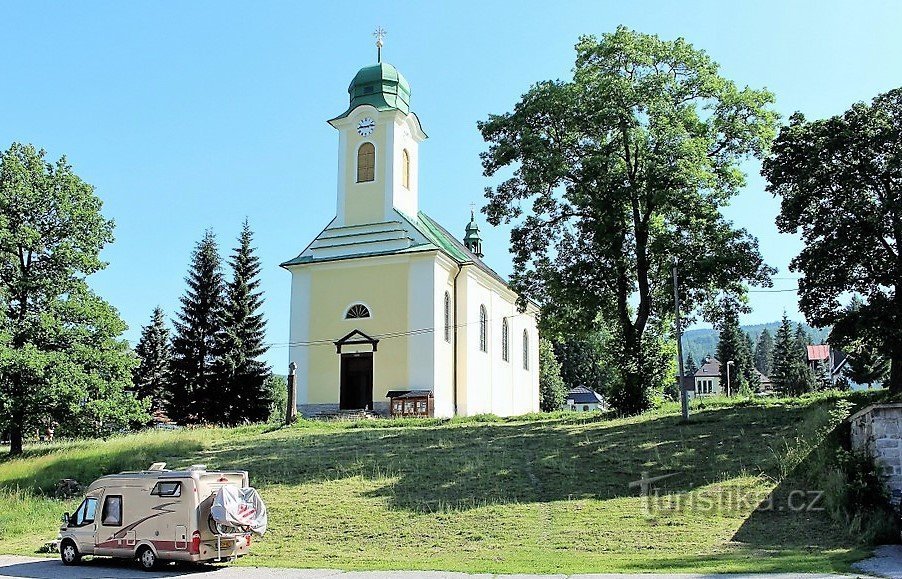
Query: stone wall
{"x": 877, "y": 430}
{"x": 311, "y": 410}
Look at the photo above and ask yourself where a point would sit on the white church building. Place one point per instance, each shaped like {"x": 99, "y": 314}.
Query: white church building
{"x": 387, "y": 301}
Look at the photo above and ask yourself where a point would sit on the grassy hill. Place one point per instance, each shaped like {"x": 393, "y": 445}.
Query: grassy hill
{"x": 538, "y": 494}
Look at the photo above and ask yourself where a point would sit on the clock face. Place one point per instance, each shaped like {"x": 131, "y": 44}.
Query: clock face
{"x": 365, "y": 127}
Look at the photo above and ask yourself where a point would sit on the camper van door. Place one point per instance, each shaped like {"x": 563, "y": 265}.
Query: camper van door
{"x": 111, "y": 538}
{"x": 82, "y": 524}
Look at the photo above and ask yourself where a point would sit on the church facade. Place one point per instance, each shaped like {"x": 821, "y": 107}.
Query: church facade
{"x": 385, "y": 301}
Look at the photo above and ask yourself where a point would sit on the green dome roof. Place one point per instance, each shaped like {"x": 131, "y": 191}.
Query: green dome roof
{"x": 379, "y": 85}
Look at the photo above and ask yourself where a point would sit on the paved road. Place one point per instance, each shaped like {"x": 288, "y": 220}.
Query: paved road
{"x": 34, "y": 568}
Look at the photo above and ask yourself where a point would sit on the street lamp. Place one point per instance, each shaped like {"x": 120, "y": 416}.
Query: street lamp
{"x": 729, "y": 363}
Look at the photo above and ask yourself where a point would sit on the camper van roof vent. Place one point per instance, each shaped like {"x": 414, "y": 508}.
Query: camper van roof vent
{"x": 197, "y": 467}
{"x": 158, "y": 466}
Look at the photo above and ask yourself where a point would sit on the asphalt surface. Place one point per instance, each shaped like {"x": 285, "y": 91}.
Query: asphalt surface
{"x": 35, "y": 568}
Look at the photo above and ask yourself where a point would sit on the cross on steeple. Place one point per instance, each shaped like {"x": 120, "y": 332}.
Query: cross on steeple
{"x": 379, "y": 34}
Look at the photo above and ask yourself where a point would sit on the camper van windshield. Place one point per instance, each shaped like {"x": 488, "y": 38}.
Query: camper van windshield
{"x": 167, "y": 489}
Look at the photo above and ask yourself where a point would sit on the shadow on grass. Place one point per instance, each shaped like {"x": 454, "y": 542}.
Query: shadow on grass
{"x": 463, "y": 466}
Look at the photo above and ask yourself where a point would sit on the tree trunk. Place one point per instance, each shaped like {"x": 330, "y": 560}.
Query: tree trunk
{"x": 895, "y": 374}
{"x": 15, "y": 440}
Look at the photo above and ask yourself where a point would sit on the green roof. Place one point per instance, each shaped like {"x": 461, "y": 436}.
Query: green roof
{"x": 379, "y": 85}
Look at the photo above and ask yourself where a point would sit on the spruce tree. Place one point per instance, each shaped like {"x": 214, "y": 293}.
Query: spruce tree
{"x": 782, "y": 363}
{"x": 242, "y": 373}
{"x": 733, "y": 345}
{"x": 691, "y": 367}
{"x": 764, "y": 352}
{"x": 552, "y": 390}
{"x": 867, "y": 366}
{"x": 196, "y": 393}
{"x": 151, "y": 377}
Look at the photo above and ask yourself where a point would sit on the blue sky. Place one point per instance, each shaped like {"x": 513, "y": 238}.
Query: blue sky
{"x": 187, "y": 116}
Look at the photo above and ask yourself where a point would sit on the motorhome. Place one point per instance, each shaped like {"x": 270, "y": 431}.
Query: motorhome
{"x": 155, "y": 515}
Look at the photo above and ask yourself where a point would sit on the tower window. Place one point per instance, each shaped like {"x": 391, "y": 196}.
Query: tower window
{"x": 525, "y": 350}
{"x": 405, "y": 169}
{"x": 505, "y": 351}
{"x": 357, "y": 311}
{"x": 483, "y": 329}
{"x": 366, "y": 163}
{"x": 447, "y": 317}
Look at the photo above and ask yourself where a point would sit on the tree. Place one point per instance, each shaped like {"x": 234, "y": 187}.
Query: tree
{"x": 791, "y": 374}
{"x": 242, "y": 374}
{"x": 764, "y": 352}
{"x": 627, "y": 166}
{"x": 733, "y": 345}
{"x": 62, "y": 359}
{"x": 197, "y": 394}
{"x": 552, "y": 389}
{"x": 154, "y": 350}
{"x": 582, "y": 361}
{"x": 690, "y": 367}
{"x": 277, "y": 393}
{"x": 840, "y": 180}
{"x": 867, "y": 366}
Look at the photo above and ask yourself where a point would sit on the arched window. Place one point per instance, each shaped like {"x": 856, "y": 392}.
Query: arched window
{"x": 447, "y": 317}
{"x": 405, "y": 169}
{"x": 366, "y": 163}
{"x": 483, "y": 330}
{"x": 525, "y": 350}
{"x": 505, "y": 351}
{"x": 357, "y": 311}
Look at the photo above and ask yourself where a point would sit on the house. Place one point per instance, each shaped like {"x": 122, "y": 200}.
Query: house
{"x": 582, "y": 399}
{"x": 707, "y": 378}
{"x": 386, "y": 300}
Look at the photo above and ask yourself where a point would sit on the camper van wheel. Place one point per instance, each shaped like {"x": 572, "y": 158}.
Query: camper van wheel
{"x": 69, "y": 553}
{"x": 147, "y": 558}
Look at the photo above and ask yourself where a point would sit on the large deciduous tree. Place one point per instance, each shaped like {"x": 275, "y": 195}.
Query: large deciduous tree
{"x": 197, "y": 391}
{"x": 626, "y": 167}
{"x": 242, "y": 372}
{"x": 62, "y": 359}
{"x": 840, "y": 180}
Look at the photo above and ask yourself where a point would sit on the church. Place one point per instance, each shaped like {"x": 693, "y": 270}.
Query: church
{"x": 390, "y": 312}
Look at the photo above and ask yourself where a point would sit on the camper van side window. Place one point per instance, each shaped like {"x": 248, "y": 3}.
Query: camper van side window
{"x": 85, "y": 513}
{"x": 112, "y": 511}
{"x": 167, "y": 489}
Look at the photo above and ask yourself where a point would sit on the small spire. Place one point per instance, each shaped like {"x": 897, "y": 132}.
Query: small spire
{"x": 379, "y": 34}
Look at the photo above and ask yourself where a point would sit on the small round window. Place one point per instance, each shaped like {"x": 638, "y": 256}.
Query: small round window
{"x": 357, "y": 311}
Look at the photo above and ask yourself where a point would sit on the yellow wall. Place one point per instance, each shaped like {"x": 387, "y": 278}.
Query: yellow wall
{"x": 364, "y": 202}
{"x": 383, "y": 287}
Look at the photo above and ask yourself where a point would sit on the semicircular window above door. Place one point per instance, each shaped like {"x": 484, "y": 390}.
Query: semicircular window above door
{"x": 357, "y": 311}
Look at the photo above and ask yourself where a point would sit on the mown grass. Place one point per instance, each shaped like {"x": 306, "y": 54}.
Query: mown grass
{"x": 543, "y": 493}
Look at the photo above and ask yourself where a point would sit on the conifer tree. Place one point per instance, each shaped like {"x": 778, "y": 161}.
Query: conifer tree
{"x": 691, "y": 367}
{"x": 764, "y": 352}
{"x": 733, "y": 345}
{"x": 243, "y": 342}
{"x": 867, "y": 366}
{"x": 152, "y": 376}
{"x": 790, "y": 373}
{"x": 196, "y": 393}
{"x": 552, "y": 390}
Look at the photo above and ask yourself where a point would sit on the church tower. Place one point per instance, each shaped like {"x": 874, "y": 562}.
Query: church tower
{"x": 378, "y": 149}
{"x": 472, "y": 239}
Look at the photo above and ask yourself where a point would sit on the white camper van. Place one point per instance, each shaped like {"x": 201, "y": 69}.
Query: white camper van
{"x": 156, "y": 515}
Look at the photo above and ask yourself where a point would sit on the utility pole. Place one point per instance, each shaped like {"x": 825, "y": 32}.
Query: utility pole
{"x": 684, "y": 396}
{"x": 729, "y": 363}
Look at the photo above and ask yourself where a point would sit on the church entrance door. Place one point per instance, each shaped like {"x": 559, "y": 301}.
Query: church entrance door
{"x": 356, "y": 381}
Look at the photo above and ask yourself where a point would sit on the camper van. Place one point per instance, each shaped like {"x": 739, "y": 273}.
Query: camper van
{"x": 155, "y": 515}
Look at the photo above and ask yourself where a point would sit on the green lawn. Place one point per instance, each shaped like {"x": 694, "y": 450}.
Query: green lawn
{"x": 539, "y": 494}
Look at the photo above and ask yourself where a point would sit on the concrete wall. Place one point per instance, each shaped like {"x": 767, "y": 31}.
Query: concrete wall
{"x": 877, "y": 430}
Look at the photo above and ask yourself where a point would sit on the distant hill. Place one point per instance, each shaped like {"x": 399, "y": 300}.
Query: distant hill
{"x": 703, "y": 342}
